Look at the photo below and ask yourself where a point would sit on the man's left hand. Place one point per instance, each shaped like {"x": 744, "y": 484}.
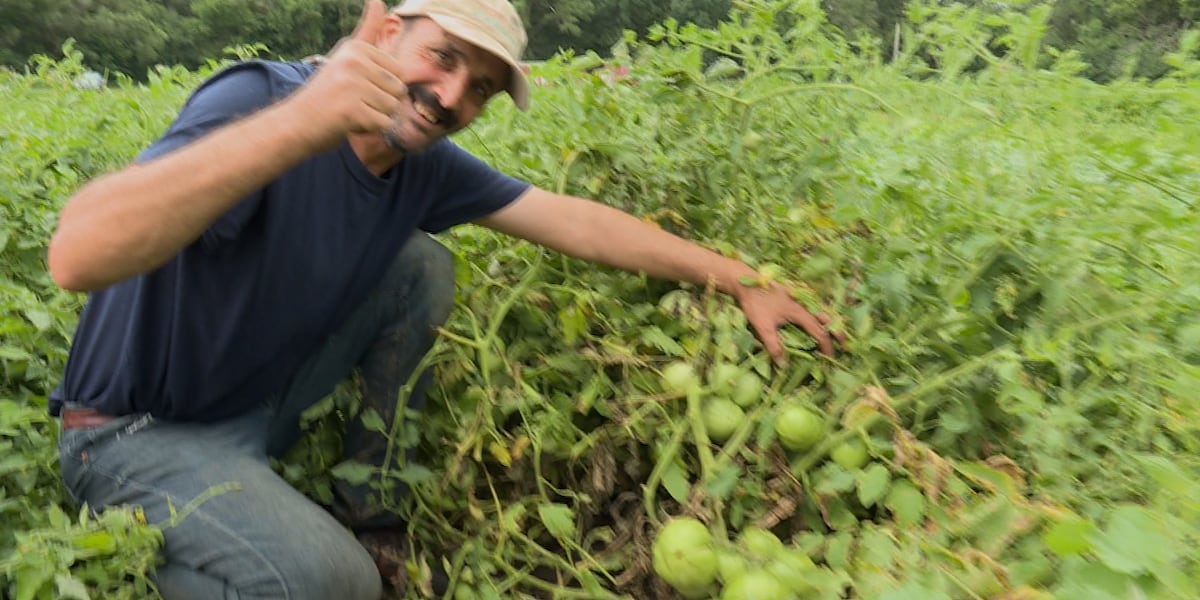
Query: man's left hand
{"x": 767, "y": 309}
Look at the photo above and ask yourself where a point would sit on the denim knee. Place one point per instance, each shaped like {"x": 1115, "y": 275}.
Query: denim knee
{"x": 342, "y": 569}
{"x": 318, "y": 574}
{"x": 424, "y": 268}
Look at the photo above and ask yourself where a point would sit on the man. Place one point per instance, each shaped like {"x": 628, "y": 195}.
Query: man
{"x": 271, "y": 242}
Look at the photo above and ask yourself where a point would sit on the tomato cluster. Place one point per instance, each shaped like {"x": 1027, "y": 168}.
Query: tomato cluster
{"x": 757, "y": 565}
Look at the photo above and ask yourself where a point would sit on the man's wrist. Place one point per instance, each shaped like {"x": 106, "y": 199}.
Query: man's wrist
{"x": 732, "y": 283}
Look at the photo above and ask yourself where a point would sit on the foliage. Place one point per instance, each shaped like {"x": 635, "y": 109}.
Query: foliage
{"x": 1009, "y": 247}
{"x": 131, "y": 37}
{"x": 1128, "y": 37}
{"x": 583, "y": 25}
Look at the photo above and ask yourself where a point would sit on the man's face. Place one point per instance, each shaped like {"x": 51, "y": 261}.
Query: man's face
{"x": 449, "y": 81}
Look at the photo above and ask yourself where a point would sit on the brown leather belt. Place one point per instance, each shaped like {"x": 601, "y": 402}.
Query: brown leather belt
{"x": 83, "y": 418}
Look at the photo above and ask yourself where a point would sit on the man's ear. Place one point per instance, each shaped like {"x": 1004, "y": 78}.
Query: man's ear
{"x": 393, "y": 27}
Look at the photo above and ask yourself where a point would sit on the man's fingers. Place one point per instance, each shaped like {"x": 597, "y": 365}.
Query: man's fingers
{"x": 769, "y": 336}
{"x": 370, "y": 24}
{"x": 825, "y": 320}
{"x": 815, "y": 327}
{"x": 824, "y": 342}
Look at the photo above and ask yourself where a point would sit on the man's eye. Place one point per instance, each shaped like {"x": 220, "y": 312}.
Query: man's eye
{"x": 443, "y": 56}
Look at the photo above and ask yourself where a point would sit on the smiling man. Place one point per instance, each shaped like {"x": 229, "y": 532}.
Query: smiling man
{"x": 274, "y": 240}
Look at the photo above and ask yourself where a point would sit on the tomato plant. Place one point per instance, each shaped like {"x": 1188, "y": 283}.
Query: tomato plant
{"x": 1009, "y": 249}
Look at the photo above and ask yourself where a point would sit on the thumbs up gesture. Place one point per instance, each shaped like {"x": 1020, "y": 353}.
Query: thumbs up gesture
{"x": 357, "y": 89}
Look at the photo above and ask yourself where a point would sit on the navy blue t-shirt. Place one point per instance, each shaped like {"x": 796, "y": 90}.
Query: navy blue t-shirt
{"x": 224, "y": 324}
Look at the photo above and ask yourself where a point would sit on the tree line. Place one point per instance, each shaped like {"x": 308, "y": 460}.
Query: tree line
{"x": 1114, "y": 37}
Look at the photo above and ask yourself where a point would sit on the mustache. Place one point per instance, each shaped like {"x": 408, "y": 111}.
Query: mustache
{"x": 422, "y": 94}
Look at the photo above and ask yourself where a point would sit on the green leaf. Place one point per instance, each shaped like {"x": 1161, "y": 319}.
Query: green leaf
{"x": 1069, "y": 536}
{"x": 1177, "y": 581}
{"x": 511, "y": 519}
{"x": 955, "y": 419}
{"x": 1094, "y": 581}
{"x": 877, "y": 549}
{"x": 39, "y": 318}
{"x": 70, "y": 588}
{"x": 14, "y": 353}
{"x": 31, "y": 578}
{"x": 988, "y": 477}
{"x": 724, "y": 482}
{"x": 573, "y": 322}
{"x": 907, "y": 504}
{"x": 837, "y": 550}
{"x": 96, "y": 543}
{"x": 372, "y": 421}
{"x": 722, "y": 67}
{"x": 834, "y": 480}
{"x": 1134, "y": 541}
{"x": 873, "y": 483}
{"x": 355, "y": 473}
{"x": 675, "y": 481}
{"x": 1170, "y": 476}
{"x": 558, "y": 519}
{"x": 1189, "y": 336}
{"x": 655, "y": 337}
{"x": 58, "y": 519}
{"x": 914, "y": 591}
{"x": 14, "y": 463}
{"x": 591, "y": 584}
{"x": 414, "y": 474}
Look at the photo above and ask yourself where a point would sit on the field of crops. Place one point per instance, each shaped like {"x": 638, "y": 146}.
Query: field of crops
{"x": 1015, "y": 414}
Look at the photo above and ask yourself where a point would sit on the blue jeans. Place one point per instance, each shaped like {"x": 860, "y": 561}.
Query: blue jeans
{"x": 260, "y": 538}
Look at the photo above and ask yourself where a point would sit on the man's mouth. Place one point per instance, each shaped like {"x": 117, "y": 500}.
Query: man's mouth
{"x": 426, "y": 105}
{"x": 426, "y": 112}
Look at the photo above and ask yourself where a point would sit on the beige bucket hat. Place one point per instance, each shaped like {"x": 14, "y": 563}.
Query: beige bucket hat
{"x": 493, "y": 25}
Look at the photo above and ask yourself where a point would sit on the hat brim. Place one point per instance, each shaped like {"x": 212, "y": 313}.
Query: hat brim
{"x": 518, "y": 85}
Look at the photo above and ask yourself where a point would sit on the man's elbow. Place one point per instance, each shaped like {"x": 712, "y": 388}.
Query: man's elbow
{"x": 65, "y": 268}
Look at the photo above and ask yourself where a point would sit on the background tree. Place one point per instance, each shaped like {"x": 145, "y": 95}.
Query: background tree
{"x": 877, "y": 18}
{"x": 1118, "y": 37}
{"x": 122, "y": 35}
{"x": 31, "y": 27}
{"x": 583, "y": 25}
{"x": 1114, "y": 37}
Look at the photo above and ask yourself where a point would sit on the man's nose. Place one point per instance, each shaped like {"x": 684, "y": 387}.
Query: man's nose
{"x": 452, "y": 90}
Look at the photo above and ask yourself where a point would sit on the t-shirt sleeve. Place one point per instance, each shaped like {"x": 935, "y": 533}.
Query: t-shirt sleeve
{"x": 229, "y": 95}
{"x": 469, "y": 189}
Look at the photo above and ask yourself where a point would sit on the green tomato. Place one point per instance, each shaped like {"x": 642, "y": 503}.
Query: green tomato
{"x": 679, "y": 377}
{"x": 684, "y": 556}
{"x": 759, "y": 544}
{"x": 731, "y": 565}
{"x": 851, "y": 455}
{"x": 721, "y": 418}
{"x": 748, "y": 390}
{"x": 756, "y": 585}
{"x": 722, "y": 376}
{"x": 792, "y": 568}
{"x": 799, "y": 428}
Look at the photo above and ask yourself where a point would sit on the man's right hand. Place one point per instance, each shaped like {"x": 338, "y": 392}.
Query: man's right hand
{"x": 357, "y": 88}
{"x": 135, "y": 219}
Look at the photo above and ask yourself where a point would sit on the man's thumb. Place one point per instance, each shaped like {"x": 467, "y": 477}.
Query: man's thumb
{"x": 370, "y": 24}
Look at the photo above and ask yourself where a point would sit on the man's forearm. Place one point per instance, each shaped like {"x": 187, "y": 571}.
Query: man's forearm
{"x": 132, "y": 221}
{"x": 598, "y": 233}
{"x": 626, "y": 242}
